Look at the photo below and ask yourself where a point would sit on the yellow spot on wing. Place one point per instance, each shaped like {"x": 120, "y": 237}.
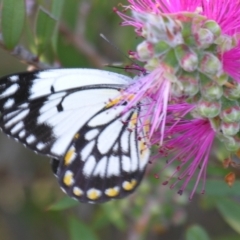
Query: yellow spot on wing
{"x": 113, "y": 102}
{"x": 144, "y": 142}
{"x": 93, "y": 194}
{"x": 146, "y": 127}
{"x": 68, "y": 178}
{"x": 112, "y": 192}
{"x": 129, "y": 97}
{"x": 143, "y": 147}
{"x": 117, "y": 100}
{"x": 77, "y": 191}
{"x": 69, "y": 157}
{"x": 77, "y": 135}
{"x": 128, "y": 186}
{"x": 133, "y": 120}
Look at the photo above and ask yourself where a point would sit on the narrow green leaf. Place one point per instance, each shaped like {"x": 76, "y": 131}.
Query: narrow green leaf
{"x": 13, "y": 17}
{"x": 230, "y": 211}
{"x": 80, "y": 231}
{"x": 70, "y": 13}
{"x": 57, "y": 7}
{"x": 30, "y": 37}
{"x": 45, "y": 26}
{"x": 62, "y": 204}
{"x": 196, "y": 232}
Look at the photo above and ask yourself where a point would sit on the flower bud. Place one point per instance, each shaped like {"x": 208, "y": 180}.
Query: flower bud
{"x": 210, "y": 64}
{"x": 230, "y": 129}
{"x": 231, "y": 115}
{"x": 204, "y": 38}
{"x": 190, "y": 86}
{"x": 225, "y": 42}
{"x": 230, "y": 111}
{"x": 160, "y": 27}
{"x": 145, "y": 51}
{"x": 213, "y": 27}
{"x": 232, "y": 143}
{"x": 232, "y": 93}
{"x": 188, "y": 59}
{"x": 212, "y": 91}
{"x": 152, "y": 64}
{"x": 221, "y": 79}
{"x": 209, "y": 109}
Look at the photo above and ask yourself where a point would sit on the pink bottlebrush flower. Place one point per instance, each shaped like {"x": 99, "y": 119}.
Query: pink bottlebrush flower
{"x": 164, "y": 6}
{"x": 188, "y": 144}
{"x": 225, "y": 13}
{"x": 190, "y": 91}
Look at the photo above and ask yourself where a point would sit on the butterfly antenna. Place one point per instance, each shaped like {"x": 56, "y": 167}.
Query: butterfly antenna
{"x": 114, "y": 46}
{"x": 134, "y": 66}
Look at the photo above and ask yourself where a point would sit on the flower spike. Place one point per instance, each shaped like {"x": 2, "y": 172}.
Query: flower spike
{"x": 190, "y": 92}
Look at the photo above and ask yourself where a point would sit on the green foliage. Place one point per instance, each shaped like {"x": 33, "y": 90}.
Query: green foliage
{"x": 63, "y": 204}
{"x": 80, "y": 231}
{"x": 45, "y": 27}
{"x": 57, "y": 8}
{"x": 196, "y": 232}
{"x": 13, "y": 17}
{"x": 230, "y": 211}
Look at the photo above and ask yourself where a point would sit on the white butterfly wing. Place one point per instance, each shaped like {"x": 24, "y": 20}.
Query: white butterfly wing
{"x": 65, "y": 114}
{"x": 45, "y": 109}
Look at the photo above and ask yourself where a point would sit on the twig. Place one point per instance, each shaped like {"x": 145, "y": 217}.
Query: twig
{"x": 25, "y": 56}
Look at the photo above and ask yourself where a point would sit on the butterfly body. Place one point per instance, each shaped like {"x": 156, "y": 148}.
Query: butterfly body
{"x": 69, "y": 115}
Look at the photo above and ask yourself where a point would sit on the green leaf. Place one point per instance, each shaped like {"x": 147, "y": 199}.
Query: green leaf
{"x": 30, "y": 37}
{"x": 57, "y": 7}
{"x": 80, "y": 231}
{"x": 70, "y": 13}
{"x": 217, "y": 188}
{"x": 230, "y": 211}
{"x": 45, "y": 27}
{"x": 13, "y": 17}
{"x": 62, "y": 204}
{"x": 220, "y": 188}
{"x": 196, "y": 232}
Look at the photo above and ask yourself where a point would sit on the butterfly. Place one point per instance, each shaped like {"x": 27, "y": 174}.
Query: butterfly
{"x": 73, "y": 116}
